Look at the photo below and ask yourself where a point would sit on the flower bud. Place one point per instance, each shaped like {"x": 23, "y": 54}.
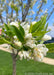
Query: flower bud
{"x": 46, "y": 37}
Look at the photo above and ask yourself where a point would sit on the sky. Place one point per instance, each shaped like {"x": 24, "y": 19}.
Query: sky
{"x": 50, "y": 21}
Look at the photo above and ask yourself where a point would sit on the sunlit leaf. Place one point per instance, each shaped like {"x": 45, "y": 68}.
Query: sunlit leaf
{"x": 17, "y": 32}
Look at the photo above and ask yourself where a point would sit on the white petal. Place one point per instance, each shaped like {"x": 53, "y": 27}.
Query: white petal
{"x": 46, "y": 37}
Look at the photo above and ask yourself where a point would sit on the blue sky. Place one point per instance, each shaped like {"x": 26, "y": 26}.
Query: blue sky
{"x": 49, "y": 2}
{"x": 50, "y": 21}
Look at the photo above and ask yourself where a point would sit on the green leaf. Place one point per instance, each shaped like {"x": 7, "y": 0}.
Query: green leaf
{"x": 26, "y": 48}
{"x": 17, "y": 32}
{"x": 8, "y": 30}
{"x": 39, "y": 33}
{"x": 35, "y": 26}
{"x": 50, "y": 46}
{"x": 30, "y": 30}
{"x": 39, "y": 28}
{"x": 42, "y": 24}
{"x": 6, "y": 27}
{"x": 3, "y": 40}
{"x": 39, "y": 37}
{"x": 46, "y": 27}
{"x": 21, "y": 30}
{"x": 14, "y": 7}
{"x": 39, "y": 25}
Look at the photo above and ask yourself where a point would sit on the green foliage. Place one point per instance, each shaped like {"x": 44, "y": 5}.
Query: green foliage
{"x": 8, "y": 30}
{"x": 39, "y": 29}
{"x": 8, "y": 33}
{"x": 22, "y": 30}
{"x": 6, "y": 27}
{"x": 30, "y": 30}
{"x": 45, "y": 1}
{"x": 3, "y": 40}
{"x": 50, "y": 46}
{"x": 34, "y": 27}
{"x": 39, "y": 33}
{"x": 17, "y": 32}
{"x": 46, "y": 27}
{"x": 39, "y": 37}
{"x": 14, "y": 7}
{"x": 50, "y": 55}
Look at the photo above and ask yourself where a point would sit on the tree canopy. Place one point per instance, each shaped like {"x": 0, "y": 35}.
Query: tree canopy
{"x": 24, "y": 10}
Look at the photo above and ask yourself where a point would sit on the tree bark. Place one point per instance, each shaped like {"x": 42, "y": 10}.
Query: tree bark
{"x": 14, "y": 66}
{"x": 26, "y": 10}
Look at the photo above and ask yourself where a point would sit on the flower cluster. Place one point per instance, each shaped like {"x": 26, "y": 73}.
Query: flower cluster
{"x": 35, "y": 51}
{"x": 40, "y": 51}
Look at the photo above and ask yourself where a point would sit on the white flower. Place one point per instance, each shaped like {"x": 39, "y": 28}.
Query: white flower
{"x": 42, "y": 48}
{"x": 46, "y": 37}
{"x": 28, "y": 36}
{"x": 40, "y": 51}
{"x": 18, "y": 43}
{"x": 26, "y": 26}
{"x": 24, "y": 54}
{"x": 45, "y": 51}
{"x": 30, "y": 43}
{"x": 39, "y": 57}
{"x": 21, "y": 55}
{"x": 15, "y": 37}
{"x": 40, "y": 45}
{"x": 23, "y": 23}
{"x": 26, "y": 32}
{"x": 33, "y": 22}
{"x": 14, "y": 23}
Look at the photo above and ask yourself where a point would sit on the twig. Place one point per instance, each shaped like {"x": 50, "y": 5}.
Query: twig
{"x": 1, "y": 18}
{"x": 12, "y": 13}
{"x": 26, "y": 10}
{"x": 50, "y": 14}
{"x": 39, "y": 9}
{"x": 22, "y": 7}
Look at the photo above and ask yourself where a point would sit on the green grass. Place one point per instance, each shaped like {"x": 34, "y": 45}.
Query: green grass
{"x": 50, "y": 55}
{"x": 23, "y": 67}
{"x": 50, "y": 46}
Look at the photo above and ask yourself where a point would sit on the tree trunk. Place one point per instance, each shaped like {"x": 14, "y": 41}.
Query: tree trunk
{"x": 14, "y": 66}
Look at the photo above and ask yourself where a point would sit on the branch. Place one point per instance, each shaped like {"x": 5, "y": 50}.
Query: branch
{"x": 12, "y": 12}
{"x": 26, "y": 10}
{"x": 1, "y": 18}
{"x": 13, "y": 53}
{"x": 17, "y": 53}
{"x": 50, "y": 14}
{"x": 22, "y": 7}
{"x": 6, "y": 6}
{"x": 39, "y": 9}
